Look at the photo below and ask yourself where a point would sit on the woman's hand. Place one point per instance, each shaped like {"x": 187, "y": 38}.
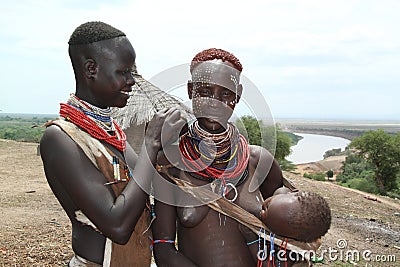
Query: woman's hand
{"x": 164, "y": 128}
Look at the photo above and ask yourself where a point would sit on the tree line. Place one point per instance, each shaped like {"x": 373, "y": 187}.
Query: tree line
{"x": 270, "y": 137}
{"x": 372, "y": 161}
{"x": 22, "y": 128}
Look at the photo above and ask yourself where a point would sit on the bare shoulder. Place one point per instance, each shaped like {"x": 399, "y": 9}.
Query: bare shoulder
{"x": 53, "y": 137}
{"x": 51, "y": 132}
{"x": 259, "y": 153}
{"x": 63, "y": 159}
{"x": 261, "y": 160}
{"x": 267, "y": 172}
{"x": 55, "y": 140}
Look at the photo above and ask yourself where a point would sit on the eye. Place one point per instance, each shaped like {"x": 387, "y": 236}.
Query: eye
{"x": 228, "y": 94}
{"x": 205, "y": 91}
{"x": 125, "y": 71}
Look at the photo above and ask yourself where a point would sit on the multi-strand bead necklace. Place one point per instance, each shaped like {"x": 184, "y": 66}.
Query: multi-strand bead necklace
{"x": 95, "y": 121}
{"x": 202, "y": 150}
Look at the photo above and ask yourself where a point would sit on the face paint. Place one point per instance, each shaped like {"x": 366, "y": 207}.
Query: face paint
{"x": 214, "y": 93}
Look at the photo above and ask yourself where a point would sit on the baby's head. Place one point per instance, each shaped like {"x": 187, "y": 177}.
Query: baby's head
{"x": 304, "y": 216}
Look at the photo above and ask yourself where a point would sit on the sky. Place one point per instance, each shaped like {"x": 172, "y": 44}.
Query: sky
{"x": 308, "y": 59}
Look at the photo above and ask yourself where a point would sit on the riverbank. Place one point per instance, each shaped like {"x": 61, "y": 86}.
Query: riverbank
{"x": 339, "y": 128}
{"x": 312, "y": 147}
{"x": 333, "y": 163}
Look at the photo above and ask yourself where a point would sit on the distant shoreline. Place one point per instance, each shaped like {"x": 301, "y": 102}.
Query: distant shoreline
{"x": 338, "y": 128}
{"x": 348, "y": 129}
{"x": 337, "y": 120}
{"x": 336, "y": 133}
{"x": 308, "y": 121}
{"x": 24, "y": 115}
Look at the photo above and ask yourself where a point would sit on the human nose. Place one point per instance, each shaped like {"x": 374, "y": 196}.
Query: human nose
{"x": 217, "y": 96}
{"x": 215, "y": 101}
{"x": 130, "y": 79}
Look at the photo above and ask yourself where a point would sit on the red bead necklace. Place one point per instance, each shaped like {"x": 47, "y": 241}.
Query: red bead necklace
{"x": 83, "y": 121}
{"x": 195, "y": 163}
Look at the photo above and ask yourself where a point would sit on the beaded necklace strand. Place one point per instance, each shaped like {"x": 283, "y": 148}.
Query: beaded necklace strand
{"x": 88, "y": 118}
{"x": 215, "y": 148}
{"x": 101, "y": 116}
{"x": 202, "y": 150}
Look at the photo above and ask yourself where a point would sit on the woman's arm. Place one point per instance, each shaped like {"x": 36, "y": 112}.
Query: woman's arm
{"x": 83, "y": 184}
{"x": 164, "y": 228}
{"x": 268, "y": 175}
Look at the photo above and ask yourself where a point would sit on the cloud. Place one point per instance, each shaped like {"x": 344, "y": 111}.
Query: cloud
{"x": 294, "y": 51}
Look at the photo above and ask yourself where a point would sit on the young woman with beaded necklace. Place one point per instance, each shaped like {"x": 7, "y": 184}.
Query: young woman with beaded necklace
{"x": 102, "y": 58}
{"x": 212, "y": 152}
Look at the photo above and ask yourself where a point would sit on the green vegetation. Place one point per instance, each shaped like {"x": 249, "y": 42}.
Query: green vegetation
{"x": 270, "y": 137}
{"x": 329, "y": 174}
{"x": 250, "y": 127}
{"x": 294, "y": 137}
{"x": 382, "y": 151}
{"x": 336, "y": 152}
{"x": 319, "y": 176}
{"x": 20, "y": 127}
{"x": 374, "y": 164}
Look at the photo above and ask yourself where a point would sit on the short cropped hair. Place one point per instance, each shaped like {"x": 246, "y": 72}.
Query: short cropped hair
{"x": 94, "y": 31}
{"x": 215, "y": 53}
{"x": 314, "y": 219}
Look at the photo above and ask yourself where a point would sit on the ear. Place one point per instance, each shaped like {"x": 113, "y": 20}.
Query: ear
{"x": 90, "y": 68}
{"x": 239, "y": 93}
{"x": 190, "y": 89}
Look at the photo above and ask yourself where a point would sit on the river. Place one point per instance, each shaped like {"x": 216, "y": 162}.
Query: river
{"x": 313, "y": 147}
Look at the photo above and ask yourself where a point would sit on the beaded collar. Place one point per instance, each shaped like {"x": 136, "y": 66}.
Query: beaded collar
{"x": 101, "y": 116}
{"x": 95, "y": 121}
{"x": 201, "y": 151}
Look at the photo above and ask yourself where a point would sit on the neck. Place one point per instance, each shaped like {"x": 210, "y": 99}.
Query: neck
{"x": 89, "y": 98}
{"x": 211, "y": 126}
{"x": 102, "y": 117}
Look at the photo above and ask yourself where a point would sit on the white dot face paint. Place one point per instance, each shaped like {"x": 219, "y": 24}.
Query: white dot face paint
{"x": 215, "y": 90}
{"x": 174, "y": 81}
{"x": 216, "y": 72}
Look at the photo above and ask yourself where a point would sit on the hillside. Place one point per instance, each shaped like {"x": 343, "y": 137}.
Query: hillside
{"x": 333, "y": 163}
{"x": 34, "y": 231}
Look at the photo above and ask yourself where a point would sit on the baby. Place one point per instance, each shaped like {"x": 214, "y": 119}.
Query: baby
{"x": 303, "y": 216}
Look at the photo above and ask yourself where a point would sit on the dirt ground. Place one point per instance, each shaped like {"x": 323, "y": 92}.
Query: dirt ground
{"x": 34, "y": 231}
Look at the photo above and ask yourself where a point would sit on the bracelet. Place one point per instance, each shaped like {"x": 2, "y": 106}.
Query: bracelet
{"x": 162, "y": 241}
{"x": 252, "y": 242}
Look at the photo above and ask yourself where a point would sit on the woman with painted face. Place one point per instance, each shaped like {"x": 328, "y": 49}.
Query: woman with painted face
{"x": 212, "y": 153}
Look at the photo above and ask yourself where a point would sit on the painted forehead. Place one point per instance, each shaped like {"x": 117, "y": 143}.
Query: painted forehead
{"x": 216, "y": 72}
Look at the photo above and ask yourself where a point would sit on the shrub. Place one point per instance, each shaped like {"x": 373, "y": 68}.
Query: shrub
{"x": 287, "y": 165}
{"x": 319, "y": 176}
{"x": 365, "y": 185}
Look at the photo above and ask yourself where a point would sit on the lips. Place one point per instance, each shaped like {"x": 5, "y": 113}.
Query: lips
{"x": 220, "y": 116}
{"x": 126, "y": 92}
